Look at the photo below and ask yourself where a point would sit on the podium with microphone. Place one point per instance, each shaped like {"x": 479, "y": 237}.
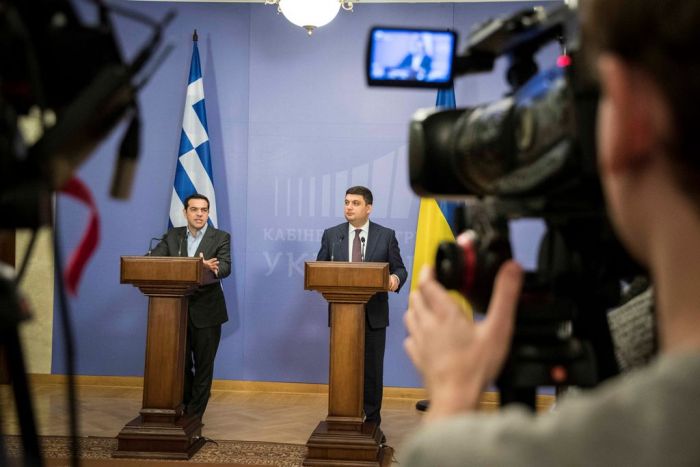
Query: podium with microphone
{"x": 344, "y": 438}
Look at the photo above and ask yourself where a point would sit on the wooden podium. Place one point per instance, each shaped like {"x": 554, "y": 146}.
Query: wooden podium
{"x": 162, "y": 431}
{"x": 342, "y": 439}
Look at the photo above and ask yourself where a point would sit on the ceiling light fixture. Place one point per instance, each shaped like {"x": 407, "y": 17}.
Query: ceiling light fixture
{"x": 310, "y": 14}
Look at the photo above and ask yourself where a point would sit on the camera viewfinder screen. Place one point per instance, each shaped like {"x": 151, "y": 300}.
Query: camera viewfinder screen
{"x": 410, "y": 57}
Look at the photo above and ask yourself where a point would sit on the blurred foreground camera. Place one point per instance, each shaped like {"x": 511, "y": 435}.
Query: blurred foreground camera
{"x": 530, "y": 154}
{"x": 535, "y": 145}
{"x": 56, "y": 106}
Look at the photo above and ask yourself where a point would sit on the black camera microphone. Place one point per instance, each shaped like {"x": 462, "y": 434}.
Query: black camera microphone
{"x": 150, "y": 244}
{"x": 362, "y": 254}
{"x": 125, "y": 166}
{"x": 337, "y": 240}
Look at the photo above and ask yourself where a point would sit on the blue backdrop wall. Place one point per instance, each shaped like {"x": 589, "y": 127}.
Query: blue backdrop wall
{"x": 292, "y": 124}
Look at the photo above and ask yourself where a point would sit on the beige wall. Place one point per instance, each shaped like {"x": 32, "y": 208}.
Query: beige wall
{"x": 37, "y": 288}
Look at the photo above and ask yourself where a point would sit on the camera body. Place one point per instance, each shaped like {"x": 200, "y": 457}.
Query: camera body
{"x": 534, "y": 148}
{"x": 530, "y": 154}
{"x": 66, "y": 103}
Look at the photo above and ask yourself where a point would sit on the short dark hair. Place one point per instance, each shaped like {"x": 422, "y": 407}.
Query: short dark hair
{"x": 195, "y": 196}
{"x": 662, "y": 38}
{"x": 360, "y": 190}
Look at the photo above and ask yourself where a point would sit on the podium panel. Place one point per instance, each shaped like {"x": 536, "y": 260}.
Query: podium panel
{"x": 161, "y": 430}
{"x": 343, "y": 439}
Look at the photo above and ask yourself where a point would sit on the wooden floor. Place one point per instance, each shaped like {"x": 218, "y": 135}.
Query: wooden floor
{"x": 230, "y": 415}
{"x": 272, "y": 412}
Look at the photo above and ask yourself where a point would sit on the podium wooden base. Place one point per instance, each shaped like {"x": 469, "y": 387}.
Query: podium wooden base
{"x": 347, "y": 448}
{"x": 180, "y": 440}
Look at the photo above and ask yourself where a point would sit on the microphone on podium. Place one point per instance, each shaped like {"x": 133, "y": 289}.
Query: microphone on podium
{"x": 179, "y": 244}
{"x": 150, "y": 244}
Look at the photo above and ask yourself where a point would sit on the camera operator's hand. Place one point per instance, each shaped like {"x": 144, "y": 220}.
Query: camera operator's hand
{"x": 456, "y": 357}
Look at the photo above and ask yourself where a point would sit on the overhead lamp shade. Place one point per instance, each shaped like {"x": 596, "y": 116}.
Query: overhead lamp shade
{"x": 310, "y": 14}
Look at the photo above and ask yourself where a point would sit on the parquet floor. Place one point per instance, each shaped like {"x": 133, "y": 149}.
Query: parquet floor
{"x": 231, "y": 415}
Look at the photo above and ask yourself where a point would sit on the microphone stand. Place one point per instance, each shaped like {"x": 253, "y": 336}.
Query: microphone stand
{"x": 150, "y": 244}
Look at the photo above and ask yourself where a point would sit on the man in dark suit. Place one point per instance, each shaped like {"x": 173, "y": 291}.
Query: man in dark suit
{"x": 358, "y": 239}
{"x": 207, "y": 307}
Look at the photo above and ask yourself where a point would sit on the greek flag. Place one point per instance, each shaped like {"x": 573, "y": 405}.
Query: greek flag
{"x": 194, "y": 172}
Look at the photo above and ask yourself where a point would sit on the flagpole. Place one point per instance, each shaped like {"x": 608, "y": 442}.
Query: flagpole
{"x": 445, "y": 98}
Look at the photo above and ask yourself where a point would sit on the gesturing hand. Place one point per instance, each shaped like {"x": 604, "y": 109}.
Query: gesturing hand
{"x": 211, "y": 264}
{"x": 456, "y": 357}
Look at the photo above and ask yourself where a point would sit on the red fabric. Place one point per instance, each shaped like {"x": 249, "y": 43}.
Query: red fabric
{"x": 80, "y": 256}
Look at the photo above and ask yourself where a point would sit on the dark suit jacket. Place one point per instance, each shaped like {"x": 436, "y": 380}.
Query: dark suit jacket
{"x": 207, "y": 305}
{"x": 381, "y": 247}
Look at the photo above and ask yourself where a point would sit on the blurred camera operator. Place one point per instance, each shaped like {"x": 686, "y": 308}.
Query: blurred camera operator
{"x": 646, "y": 54}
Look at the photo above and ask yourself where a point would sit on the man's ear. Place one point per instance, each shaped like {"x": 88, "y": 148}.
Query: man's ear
{"x": 634, "y": 103}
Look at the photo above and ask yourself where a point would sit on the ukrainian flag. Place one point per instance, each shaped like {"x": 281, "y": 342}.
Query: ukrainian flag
{"x": 434, "y": 218}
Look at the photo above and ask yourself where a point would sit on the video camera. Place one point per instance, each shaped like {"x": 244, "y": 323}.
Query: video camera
{"x": 530, "y": 154}
{"x": 65, "y": 102}
{"x": 64, "y": 86}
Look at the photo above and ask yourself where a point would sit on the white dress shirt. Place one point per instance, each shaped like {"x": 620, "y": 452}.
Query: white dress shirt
{"x": 351, "y": 237}
{"x": 193, "y": 241}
